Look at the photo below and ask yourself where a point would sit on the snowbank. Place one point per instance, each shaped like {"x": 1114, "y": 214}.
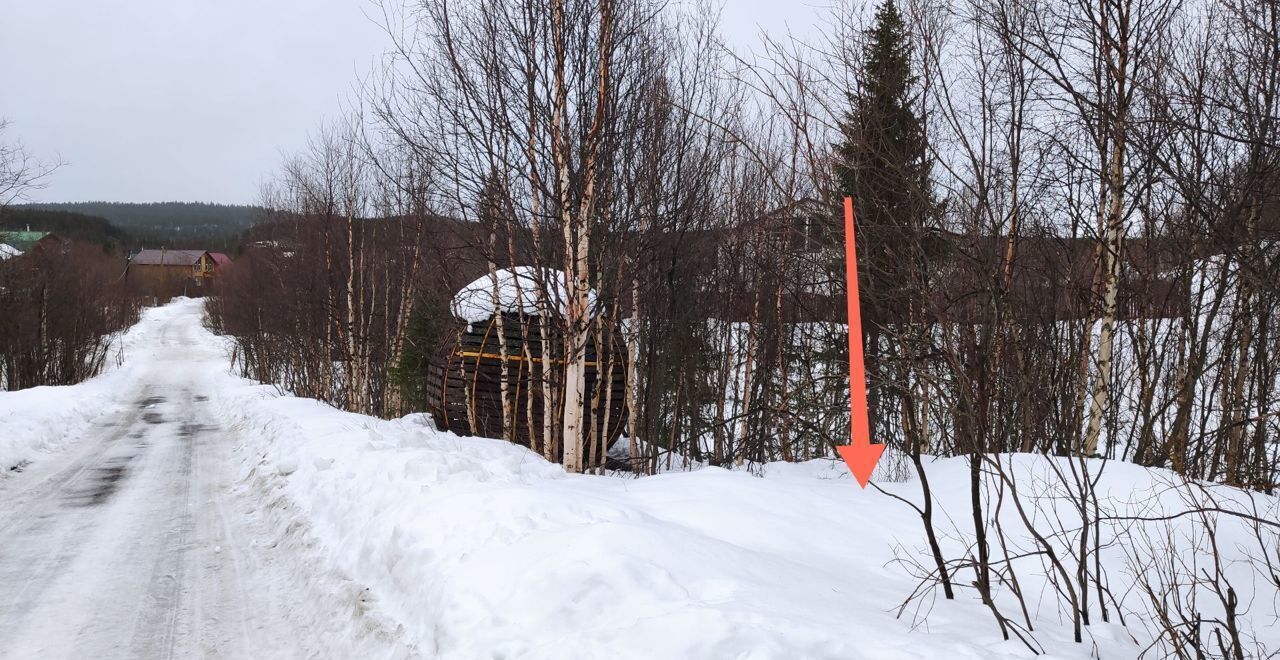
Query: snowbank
{"x": 8, "y": 251}
{"x": 481, "y": 549}
{"x": 518, "y": 291}
{"x": 478, "y": 548}
{"x": 41, "y": 420}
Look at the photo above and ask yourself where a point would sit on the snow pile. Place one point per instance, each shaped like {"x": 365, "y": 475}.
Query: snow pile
{"x": 40, "y": 420}
{"x": 519, "y": 290}
{"x": 478, "y": 548}
{"x": 8, "y": 251}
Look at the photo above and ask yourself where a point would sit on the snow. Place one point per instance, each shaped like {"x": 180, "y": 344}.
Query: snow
{"x": 474, "y": 548}
{"x": 41, "y": 420}
{"x": 128, "y": 534}
{"x": 518, "y": 291}
{"x": 8, "y": 251}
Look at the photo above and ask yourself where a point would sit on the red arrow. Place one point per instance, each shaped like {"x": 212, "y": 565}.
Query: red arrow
{"x": 860, "y": 455}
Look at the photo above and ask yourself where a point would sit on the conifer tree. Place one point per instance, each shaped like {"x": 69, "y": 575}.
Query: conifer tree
{"x": 882, "y": 162}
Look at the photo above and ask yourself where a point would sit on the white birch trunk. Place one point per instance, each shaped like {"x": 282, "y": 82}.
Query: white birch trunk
{"x": 502, "y": 342}
{"x": 1101, "y": 398}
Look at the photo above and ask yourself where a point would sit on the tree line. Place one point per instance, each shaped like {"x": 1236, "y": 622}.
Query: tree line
{"x": 1065, "y": 216}
{"x": 60, "y": 305}
{"x": 155, "y": 225}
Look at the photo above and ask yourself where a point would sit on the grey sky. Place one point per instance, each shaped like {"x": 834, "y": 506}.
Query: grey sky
{"x": 149, "y": 100}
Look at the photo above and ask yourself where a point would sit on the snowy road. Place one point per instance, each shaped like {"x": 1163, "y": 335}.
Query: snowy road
{"x": 129, "y": 544}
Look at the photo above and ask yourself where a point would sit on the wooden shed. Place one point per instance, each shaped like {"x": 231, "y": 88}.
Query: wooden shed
{"x": 464, "y": 380}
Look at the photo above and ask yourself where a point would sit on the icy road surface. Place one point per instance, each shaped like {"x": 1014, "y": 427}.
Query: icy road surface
{"x": 130, "y": 543}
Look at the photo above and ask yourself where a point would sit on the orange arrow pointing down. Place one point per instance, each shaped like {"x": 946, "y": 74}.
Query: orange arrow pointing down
{"x": 860, "y": 455}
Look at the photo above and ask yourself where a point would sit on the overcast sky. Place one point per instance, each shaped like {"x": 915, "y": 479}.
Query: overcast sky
{"x": 197, "y": 100}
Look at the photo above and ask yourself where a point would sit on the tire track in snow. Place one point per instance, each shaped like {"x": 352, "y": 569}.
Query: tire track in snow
{"x": 126, "y": 544}
{"x": 41, "y": 511}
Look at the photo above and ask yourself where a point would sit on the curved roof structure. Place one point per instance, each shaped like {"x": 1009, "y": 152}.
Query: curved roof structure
{"x": 517, "y": 291}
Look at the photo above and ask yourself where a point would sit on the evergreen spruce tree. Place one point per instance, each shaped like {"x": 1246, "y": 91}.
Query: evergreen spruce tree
{"x": 882, "y": 162}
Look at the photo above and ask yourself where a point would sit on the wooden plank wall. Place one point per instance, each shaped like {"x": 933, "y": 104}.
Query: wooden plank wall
{"x": 464, "y": 382}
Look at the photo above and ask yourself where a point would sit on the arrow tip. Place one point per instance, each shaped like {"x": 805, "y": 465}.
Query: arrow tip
{"x": 861, "y": 459}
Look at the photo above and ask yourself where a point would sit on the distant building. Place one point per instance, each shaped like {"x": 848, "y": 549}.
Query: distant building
{"x": 22, "y": 241}
{"x": 170, "y": 272}
{"x": 17, "y": 243}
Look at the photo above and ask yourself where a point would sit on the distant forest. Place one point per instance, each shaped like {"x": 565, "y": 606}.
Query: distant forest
{"x": 98, "y": 231}
{"x": 177, "y": 225}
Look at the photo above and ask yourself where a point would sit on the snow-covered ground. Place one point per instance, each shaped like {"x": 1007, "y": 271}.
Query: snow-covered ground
{"x": 123, "y": 533}
{"x": 391, "y": 539}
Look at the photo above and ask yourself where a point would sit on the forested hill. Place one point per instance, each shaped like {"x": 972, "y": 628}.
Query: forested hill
{"x": 171, "y": 224}
{"x": 67, "y": 224}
